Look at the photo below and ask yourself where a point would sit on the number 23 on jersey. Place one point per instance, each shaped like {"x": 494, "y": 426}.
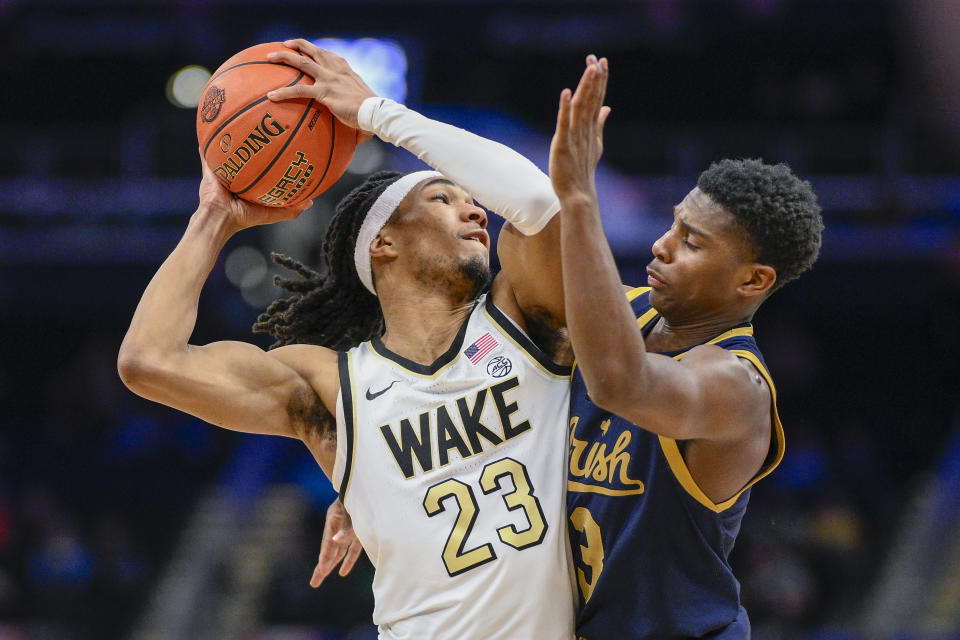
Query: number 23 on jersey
{"x": 452, "y": 492}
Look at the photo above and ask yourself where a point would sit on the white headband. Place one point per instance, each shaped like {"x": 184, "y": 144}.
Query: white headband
{"x": 379, "y": 213}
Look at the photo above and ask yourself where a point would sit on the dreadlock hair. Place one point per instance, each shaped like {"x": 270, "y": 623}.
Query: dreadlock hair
{"x": 331, "y": 309}
{"x": 777, "y": 210}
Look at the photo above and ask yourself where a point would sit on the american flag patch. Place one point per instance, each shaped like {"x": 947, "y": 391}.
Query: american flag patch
{"x": 480, "y": 347}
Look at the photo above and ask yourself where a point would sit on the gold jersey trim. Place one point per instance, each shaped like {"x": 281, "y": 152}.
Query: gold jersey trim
{"x": 733, "y": 333}
{"x": 589, "y": 488}
{"x": 636, "y": 292}
{"x": 650, "y": 314}
{"x": 679, "y": 466}
{"x": 669, "y": 446}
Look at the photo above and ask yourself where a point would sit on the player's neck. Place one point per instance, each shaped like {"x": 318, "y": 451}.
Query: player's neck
{"x": 666, "y": 336}
{"x": 422, "y": 328}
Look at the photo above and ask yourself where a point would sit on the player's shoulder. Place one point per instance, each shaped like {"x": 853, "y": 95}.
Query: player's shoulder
{"x": 724, "y": 364}
{"x": 308, "y": 355}
{"x": 317, "y": 366}
{"x": 733, "y": 380}
{"x": 717, "y": 358}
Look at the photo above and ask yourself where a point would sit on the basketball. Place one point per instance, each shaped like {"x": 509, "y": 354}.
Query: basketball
{"x": 270, "y": 153}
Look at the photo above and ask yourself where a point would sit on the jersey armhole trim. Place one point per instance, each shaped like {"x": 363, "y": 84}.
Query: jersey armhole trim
{"x": 678, "y": 465}
{"x": 646, "y": 317}
{"x": 525, "y": 344}
{"x": 746, "y": 331}
{"x": 349, "y": 419}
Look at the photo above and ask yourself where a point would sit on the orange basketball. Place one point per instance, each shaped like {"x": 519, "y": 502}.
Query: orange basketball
{"x": 272, "y": 153}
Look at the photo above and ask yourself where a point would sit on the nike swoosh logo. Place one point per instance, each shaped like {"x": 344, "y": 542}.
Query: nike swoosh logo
{"x": 373, "y": 396}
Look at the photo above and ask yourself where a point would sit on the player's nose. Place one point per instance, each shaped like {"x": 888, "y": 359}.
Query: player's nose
{"x": 659, "y": 248}
{"x": 475, "y": 213}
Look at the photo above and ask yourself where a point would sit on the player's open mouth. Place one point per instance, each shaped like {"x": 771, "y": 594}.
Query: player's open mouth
{"x": 480, "y": 235}
{"x": 654, "y": 279}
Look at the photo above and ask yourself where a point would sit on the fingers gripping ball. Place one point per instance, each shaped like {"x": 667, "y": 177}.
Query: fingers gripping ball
{"x": 272, "y": 153}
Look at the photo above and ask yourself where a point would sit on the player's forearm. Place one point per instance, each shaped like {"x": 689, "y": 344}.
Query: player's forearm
{"x": 500, "y": 179}
{"x": 167, "y": 312}
{"x": 607, "y": 344}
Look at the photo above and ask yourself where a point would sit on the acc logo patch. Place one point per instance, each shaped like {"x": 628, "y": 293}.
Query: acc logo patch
{"x": 499, "y": 366}
{"x": 212, "y": 101}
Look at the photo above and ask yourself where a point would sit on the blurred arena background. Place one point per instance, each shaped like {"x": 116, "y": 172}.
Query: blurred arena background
{"x": 123, "y": 519}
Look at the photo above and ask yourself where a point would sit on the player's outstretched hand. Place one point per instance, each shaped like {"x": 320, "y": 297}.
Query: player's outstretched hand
{"x": 336, "y": 84}
{"x": 578, "y": 140}
{"x": 339, "y": 543}
{"x": 240, "y": 214}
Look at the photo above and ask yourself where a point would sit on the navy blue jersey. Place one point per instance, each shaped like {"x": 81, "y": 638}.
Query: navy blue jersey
{"x": 650, "y": 548}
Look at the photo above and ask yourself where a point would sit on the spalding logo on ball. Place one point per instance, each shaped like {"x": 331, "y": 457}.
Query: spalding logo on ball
{"x": 270, "y": 153}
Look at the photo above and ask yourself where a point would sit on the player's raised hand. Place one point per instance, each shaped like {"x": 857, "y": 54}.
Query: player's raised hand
{"x": 339, "y": 543}
{"x": 240, "y": 214}
{"x": 578, "y": 140}
{"x": 336, "y": 84}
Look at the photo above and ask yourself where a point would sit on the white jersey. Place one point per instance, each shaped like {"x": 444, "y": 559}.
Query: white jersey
{"x": 455, "y": 475}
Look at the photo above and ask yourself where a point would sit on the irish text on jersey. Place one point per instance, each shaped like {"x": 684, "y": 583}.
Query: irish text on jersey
{"x": 602, "y": 465}
{"x": 455, "y": 426}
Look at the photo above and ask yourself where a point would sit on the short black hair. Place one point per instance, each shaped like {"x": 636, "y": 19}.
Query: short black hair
{"x": 777, "y": 210}
{"x": 331, "y": 309}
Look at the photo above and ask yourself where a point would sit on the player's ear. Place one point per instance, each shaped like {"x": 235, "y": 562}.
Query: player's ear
{"x": 383, "y": 245}
{"x": 757, "y": 280}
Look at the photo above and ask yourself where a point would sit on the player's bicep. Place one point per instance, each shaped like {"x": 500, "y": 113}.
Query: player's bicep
{"x": 234, "y": 385}
{"x": 662, "y": 397}
{"x": 707, "y": 395}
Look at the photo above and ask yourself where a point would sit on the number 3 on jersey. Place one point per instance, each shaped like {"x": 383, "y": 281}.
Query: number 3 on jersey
{"x": 591, "y": 553}
{"x": 455, "y": 558}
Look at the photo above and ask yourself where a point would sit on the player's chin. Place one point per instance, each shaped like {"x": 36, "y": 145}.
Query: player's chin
{"x": 473, "y": 251}
{"x": 658, "y": 300}
{"x": 476, "y": 270}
